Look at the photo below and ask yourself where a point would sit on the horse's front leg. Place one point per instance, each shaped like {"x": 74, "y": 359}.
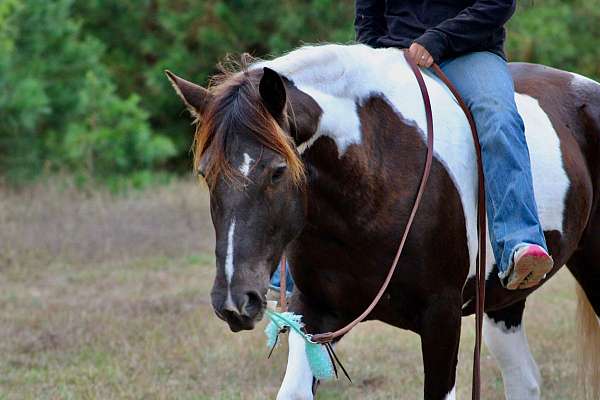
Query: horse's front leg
{"x": 298, "y": 382}
{"x": 440, "y": 337}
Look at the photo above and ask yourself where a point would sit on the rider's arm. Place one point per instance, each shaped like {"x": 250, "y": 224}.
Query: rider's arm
{"x": 370, "y": 23}
{"x": 469, "y": 29}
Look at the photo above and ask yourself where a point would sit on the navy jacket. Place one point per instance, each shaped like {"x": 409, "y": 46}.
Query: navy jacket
{"x": 446, "y": 28}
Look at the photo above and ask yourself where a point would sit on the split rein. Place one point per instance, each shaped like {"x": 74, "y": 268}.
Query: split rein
{"x": 328, "y": 337}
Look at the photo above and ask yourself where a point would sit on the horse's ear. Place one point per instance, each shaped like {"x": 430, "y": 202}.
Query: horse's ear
{"x": 272, "y": 92}
{"x": 195, "y": 97}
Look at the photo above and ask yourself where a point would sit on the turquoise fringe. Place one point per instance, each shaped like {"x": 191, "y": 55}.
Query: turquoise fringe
{"x": 318, "y": 358}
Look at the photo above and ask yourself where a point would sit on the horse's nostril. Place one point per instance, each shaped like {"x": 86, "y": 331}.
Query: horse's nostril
{"x": 230, "y": 307}
{"x": 252, "y": 304}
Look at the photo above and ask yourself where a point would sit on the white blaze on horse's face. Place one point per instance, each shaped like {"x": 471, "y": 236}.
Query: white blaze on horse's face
{"x": 229, "y": 259}
{"x": 229, "y": 263}
{"x": 246, "y": 165}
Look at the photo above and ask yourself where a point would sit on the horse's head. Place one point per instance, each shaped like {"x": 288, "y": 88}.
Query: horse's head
{"x": 244, "y": 148}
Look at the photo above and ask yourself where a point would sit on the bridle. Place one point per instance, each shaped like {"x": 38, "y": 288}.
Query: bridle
{"x": 328, "y": 337}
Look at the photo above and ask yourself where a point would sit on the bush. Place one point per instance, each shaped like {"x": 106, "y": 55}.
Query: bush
{"x": 559, "y": 33}
{"x": 59, "y": 109}
{"x": 82, "y": 87}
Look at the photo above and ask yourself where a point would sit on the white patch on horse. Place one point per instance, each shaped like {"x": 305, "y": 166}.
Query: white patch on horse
{"x": 245, "y": 167}
{"x": 339, "y": 121}
{"x": 522, "y": 379}
{"x": 329, "y": 75}
{"x": 339, "y": 77}
{"x": 550, "y": 180}
{"x": 451, "y": 394}
{"x": 297, "y": 383}
{"x": 229, "y": 263}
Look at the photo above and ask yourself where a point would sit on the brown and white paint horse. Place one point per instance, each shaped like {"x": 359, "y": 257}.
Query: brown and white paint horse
{"x": 319, "y": 153}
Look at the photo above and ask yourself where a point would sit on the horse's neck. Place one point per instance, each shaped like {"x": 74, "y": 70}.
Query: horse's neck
{"x": 350, "y": 181}
{"x": 339, "y": 193}
{"x": 341, "y": 70}
{"x": 354, "y": 176}
{"x": 358, "y": 144}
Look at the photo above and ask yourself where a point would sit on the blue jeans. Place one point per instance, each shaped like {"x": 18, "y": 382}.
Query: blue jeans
{"x": 484, "y": 82}
{"x": 276, "y": 278}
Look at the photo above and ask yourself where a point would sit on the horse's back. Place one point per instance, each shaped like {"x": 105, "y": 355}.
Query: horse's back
{"x": 565, "y": 96}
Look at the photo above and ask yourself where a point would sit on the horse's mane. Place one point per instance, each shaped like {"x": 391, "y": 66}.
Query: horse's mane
{"x": 236, "y": 107}
{"x": 336, "y": 70}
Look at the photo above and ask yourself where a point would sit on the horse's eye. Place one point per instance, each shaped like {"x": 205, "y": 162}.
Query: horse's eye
{"x": 201, "y": 172}
{"x": 278, "y": 173}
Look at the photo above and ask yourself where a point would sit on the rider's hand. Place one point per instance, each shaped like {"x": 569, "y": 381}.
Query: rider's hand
{"x": 420, "y": 55}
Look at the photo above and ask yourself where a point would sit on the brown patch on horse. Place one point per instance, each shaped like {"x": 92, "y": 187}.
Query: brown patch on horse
{"x": 237, "y": 108}
{"x": 357, "y": 204}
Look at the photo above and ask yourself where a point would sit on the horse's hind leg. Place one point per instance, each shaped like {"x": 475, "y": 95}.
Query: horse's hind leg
{"x": 505, "y": 337}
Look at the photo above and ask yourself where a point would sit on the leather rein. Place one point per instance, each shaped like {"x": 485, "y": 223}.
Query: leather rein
{"x": 328, "y": 337}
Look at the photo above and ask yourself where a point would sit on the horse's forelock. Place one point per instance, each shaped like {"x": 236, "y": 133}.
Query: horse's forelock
{"x": 237, "y": 108}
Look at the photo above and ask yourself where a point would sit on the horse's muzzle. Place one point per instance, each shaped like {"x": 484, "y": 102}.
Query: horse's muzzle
{"x": 241, "y": 312}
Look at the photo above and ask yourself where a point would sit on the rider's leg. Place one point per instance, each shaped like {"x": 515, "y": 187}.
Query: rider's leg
{"x": 483, "y": 80}
{"x": 276, "y": 279}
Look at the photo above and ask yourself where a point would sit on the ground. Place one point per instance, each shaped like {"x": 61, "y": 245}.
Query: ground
{"x": 107, "y": 297}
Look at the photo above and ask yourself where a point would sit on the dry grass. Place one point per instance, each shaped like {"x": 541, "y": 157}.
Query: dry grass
{"x": 107, "y": 298}
{"x": 54, "y": 221}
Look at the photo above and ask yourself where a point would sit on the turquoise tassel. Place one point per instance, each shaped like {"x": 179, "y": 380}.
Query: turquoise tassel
{"x": 318, "y": 358}
{"x": 319, "y": 361}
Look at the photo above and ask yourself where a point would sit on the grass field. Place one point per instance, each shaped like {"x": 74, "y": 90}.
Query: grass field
{"x": 106, "y": 297}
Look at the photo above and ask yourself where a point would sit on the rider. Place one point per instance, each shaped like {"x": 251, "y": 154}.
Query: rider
{"x": 276, "y": 279}
{"x": 466, "y": 38}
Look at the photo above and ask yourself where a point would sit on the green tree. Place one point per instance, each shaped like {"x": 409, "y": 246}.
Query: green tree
{"x": 82, "y": 87}
{"x": 55, "y": 92}
{"x": 560, "y": 33}
{"x": 190, "y": 37}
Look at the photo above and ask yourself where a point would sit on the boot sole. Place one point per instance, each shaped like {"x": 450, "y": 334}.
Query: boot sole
{"x": 529, "y": 271}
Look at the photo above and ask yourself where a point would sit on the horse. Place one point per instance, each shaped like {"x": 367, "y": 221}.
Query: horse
{"x": 318, "y": 154}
